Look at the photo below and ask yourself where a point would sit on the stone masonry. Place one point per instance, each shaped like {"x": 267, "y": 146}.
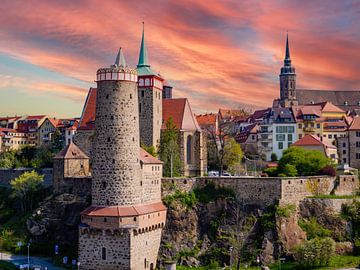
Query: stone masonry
{"x": 122, "y": 228}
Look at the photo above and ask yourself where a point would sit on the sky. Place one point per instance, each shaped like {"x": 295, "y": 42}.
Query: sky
{"x": 219, "y": 54}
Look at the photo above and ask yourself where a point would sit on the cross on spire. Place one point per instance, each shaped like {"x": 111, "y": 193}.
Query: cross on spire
{"x": 120, "y": 59}
{"x": 143, "y": 57}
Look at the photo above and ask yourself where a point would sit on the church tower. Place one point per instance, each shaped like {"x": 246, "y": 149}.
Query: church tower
{"x": 287, "y": 80}
{"x": 150, "y": 99}
{"x": 122, "y": 228}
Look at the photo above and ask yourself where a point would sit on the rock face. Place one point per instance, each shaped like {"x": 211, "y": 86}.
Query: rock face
{"x": 56, "y": 220}
{"x": 327, "y": 215}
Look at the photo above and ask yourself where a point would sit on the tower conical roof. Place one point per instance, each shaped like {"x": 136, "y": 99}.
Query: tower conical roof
{"x": 120, "y": 59}
{"x": 143, "y": 57}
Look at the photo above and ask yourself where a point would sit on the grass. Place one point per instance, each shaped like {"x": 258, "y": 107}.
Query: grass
{"x": 336, "y": 262}
{"x": 334, "y": 197}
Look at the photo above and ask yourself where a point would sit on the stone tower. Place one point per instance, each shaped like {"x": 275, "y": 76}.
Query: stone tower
{"x": 122, "y": 228}
{"x": 150, "y": 99}
{"x": 287, "y": 80}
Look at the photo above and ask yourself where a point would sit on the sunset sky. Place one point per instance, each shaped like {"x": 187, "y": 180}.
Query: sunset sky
{"x": 217, "y": 53}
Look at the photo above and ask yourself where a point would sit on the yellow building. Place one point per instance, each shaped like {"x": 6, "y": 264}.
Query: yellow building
{"x": 309, "y": 120}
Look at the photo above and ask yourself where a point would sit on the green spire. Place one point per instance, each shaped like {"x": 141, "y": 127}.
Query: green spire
{"x": 143, "y": 58}
{"x": 120, "y": 59}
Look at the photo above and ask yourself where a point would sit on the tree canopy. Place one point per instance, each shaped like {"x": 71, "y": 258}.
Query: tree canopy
{"x": 299, "y": 161}
{"x": 232, "y": 155}
{"x": 25, "y": 188}
{"x": 169, "y": 151}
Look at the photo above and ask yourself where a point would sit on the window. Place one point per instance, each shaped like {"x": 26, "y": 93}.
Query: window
{"x": 139, "y": 107}
{"x": 312, "y": 125}
{"x": 103, "y": 253}
{"x": 189, "y": 149}
{"x": 281, "y": 146}
{"x": 357, "y": 133}
{"x": 300, "y": 136}
{"x": 280, "y": 137}
{"x": 289, "y": 137}
{"x": 344, "y": 152}
{"x": 330, "y": 136}
{"x": 343, "y": 144}
{"x": 300, "y": 126}
{"x": 142, "y": 93}
{"x": 357, "y": 155}
{"x": 291, "y": 129}
{"x": 318, "y": 125}
{"x": 357, "y": 144}
{"x": 344, "y": 160}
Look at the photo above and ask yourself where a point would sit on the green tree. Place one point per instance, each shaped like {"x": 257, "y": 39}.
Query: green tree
{"x": 150, "y": 149}
{"x": 57, "y": 140}
{"x": 351, "y": 212}
{"x": 232, "y": 155}
{"x": 43, "y": 158}
{"x": 8, "y": 159}
{"x": 169, "y": 150}
{"x": 25, "y": 188}
{"x": 306, "y": 162}
{"x": 290, "y": 170}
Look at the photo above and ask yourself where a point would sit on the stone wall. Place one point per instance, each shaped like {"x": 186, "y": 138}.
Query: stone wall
{"x": 116, "y": 244}
{"x": 347, "y": 184}
{"x": 84, "y": 139}
{"x": 80, "y": 186}
{"x": 151, "y": 183}
{"x": 170, "y": 185}
{"x": 6, "y": 175}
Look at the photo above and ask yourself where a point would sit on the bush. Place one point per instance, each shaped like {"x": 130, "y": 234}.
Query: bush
{"x": 315, "y": 253}
{"x": 186, "y": 199}
{"x": 285, "y": 210}
{"x": 328, "y": 170}
{"x": 313, "y": 229}
{"x": 211, "y": 193}
{"x": 272, "y": 172}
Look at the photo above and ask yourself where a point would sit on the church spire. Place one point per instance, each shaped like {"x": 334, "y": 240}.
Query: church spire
{"x": 143, "y": 58}
{"x": 287, "y": 60}
{"x": 120, "y": 59}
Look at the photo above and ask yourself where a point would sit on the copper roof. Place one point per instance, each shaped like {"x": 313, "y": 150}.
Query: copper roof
{"x": 123, "y": 211}
{"x": 71, "y": 151}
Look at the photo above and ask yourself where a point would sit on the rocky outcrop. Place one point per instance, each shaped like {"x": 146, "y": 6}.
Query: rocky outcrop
{"x": 56, "y": 220}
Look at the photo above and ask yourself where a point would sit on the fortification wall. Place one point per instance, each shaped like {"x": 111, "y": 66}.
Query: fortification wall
{"x": 6, "y": 175}
{"x": 80, "y": 186}
{"x": 347, "y": 184}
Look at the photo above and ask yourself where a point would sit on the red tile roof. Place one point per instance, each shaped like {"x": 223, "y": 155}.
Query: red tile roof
{"x": 174, "y": 108}
{"x": 88, "y": 114}
{"x": 355, "y": 125}
{"x": 312, "y": 140}
{"x": 35, "y": 117}
{"x": 146, "y": 158}
{"x": 329, "y": 107}
{"x": 124, "y": 211}
{"x": 9, "y": 130}
{"x": 71, "y": 151}
{"x": 206, "y": 119}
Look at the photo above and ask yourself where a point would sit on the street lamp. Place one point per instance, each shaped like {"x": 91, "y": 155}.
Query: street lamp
{"x": 230, "y": 251}
{"x": 78, "y": 265}
{"x": 28, "y": 248}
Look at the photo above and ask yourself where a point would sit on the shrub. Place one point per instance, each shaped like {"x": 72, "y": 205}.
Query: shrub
{"x": 186, "y": 199}
{"x": 315, "y": 253}
{"x": 271, "y": 171}
{"x": 328, "y": 170}
{"x": 313, "y": 229}
{"x": 285, "y": 210}
{"x": 211, "y": 193}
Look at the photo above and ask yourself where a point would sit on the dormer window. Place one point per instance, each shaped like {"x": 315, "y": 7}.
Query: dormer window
{"x": 345, "y": 103}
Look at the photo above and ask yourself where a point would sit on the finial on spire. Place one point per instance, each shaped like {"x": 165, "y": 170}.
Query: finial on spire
{"x": 143, "y": 58}
{"x": 120, "y": 59}
{"x": 287, "y": 60}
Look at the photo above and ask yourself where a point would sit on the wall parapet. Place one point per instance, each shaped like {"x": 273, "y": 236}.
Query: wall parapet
{"x": 6, "y": 175}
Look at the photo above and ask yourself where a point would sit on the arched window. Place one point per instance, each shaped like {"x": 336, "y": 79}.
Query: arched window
{"x": 147, "y": 82}
{"x": 103, "y": 253}
{"x": 141, "y": 82}
{"x": 189, "y": 149}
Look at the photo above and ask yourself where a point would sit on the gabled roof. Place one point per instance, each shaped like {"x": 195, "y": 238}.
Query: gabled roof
{"x": 87, "y": 120}
{"x": 301, "y": 110}
{"x": 230, "y": 113}
{"x": 35, "y": 117}
{"x": 337, "y": 97}
{"x": 312, "y": 140}
{"x": 179, "y": 109}
{"x": 146, "y": 158}
{"x": 329, "y": 107}
{"x": 244, "y": 134}
{"x": 9, "y": 130}
{"x": 355, "y": 125}
{"x": 258, "y": 115}
{"x": 283, "y": 113}
{"x": 206, "y": 119}
{"x": 71, "y": 151}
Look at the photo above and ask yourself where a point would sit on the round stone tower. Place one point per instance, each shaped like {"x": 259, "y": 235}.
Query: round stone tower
{"x": 116, "y": 166}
